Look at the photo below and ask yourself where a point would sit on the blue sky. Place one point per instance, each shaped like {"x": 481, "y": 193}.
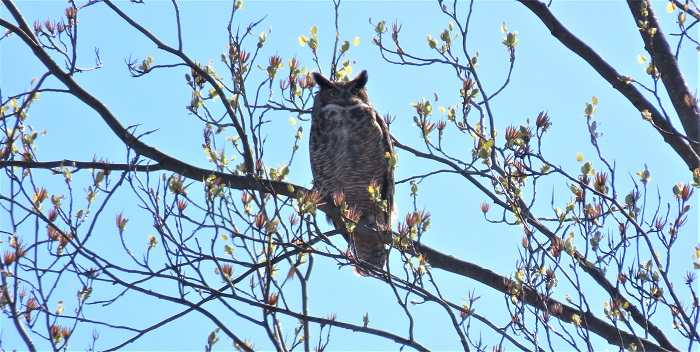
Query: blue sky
{"x": 547, "y": 77}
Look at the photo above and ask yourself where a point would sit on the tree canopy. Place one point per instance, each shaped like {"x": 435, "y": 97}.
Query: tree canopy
{"x": 156, "y": 192}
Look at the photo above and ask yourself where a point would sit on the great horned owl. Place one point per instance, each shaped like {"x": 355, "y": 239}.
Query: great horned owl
{"x": 349, "y": 146}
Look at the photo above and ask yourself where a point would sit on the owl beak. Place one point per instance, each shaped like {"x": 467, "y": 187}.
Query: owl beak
{"x": 347, "y": 97}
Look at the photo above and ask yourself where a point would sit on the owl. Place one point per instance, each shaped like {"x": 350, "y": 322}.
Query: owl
{"x": 350, "y": 148}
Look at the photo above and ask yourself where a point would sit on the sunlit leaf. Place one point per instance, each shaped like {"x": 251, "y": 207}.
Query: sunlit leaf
{"x": 303, "y": 40}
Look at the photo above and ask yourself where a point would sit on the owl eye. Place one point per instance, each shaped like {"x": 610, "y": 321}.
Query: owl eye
{"x": 355, "y": 91}
{"x": 333, "y": 93}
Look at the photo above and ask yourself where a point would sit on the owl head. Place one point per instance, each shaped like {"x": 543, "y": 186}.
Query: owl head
{"x": 341, "y": 93}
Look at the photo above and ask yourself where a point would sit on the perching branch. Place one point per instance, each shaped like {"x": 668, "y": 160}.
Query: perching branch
{"x": 436, "y": 258}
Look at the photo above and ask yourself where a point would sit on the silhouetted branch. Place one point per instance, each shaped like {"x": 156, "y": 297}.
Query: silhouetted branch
{"x": 501, "y": 283}
{"x": 619, "y": 82}
{"x": 436, "y": 259}
{"x": 683, "y": 100}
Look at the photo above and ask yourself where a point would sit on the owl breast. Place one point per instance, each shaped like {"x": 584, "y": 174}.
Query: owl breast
{"x": 348, "y": 152}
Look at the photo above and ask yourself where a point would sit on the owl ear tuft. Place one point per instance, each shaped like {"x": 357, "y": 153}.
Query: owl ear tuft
{"x": 361, "y": 79}
{"x": 321, "y": 80}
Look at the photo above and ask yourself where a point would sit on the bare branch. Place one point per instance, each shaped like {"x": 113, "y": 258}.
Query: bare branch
{"x": 683, "y": 100}
{"x": 619, "y": 82}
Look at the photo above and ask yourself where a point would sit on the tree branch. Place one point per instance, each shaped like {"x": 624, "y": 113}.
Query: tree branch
{"x": 619, "y": 82}
{"x": 664, "y": 60}
{"x": 586, "y": 266}
{"x": 500, "y": 283}
{"x": 249, "y": 163}
{"x": 436, "y": 259}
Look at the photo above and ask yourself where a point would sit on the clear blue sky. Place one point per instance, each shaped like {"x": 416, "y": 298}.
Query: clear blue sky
{"x": 547, "y": 77}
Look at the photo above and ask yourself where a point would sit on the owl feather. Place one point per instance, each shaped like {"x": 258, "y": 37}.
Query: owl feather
{"x": 349, "y": 145}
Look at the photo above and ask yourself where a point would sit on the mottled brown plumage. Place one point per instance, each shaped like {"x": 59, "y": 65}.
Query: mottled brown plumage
{"x": 348, "y": 146}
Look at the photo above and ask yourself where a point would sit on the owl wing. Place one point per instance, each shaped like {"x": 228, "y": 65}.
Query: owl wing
{"x": 389, "y": 185}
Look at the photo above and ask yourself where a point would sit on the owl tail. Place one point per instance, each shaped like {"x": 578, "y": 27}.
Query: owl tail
{"x": 369, "y": 249}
